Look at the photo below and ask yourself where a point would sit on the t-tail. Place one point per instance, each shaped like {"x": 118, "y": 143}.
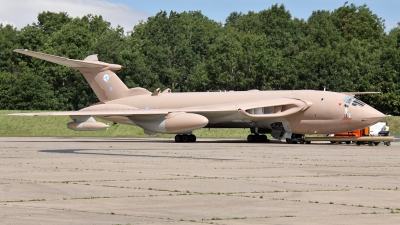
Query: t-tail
{"x": 100, "y": 76}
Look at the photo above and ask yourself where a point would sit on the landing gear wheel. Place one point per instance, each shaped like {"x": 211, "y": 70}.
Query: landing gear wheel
{"x": 185, "y": 138}
{"x": 178, "y": 138}
{"x": 192, "y": 138}
{"x": 264, "y": 138}
{"x": 348, "y": 142}
{"x": 358, "y": 143}
{"x": 250, "y": 138}
{"x": 291, "y": 141}
{"x": 257, "y": 138}
{"x": 376, "y": 143}
{"x": 295, "y": 139}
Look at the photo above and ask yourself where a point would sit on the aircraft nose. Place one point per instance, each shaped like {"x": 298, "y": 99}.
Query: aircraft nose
{"x": 371, "y": 115}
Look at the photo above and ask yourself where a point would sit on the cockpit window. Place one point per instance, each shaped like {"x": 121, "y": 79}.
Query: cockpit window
{"x": 357, "y": 102}
{"x": 353, "y": 101}
{"x": 347, "y": 99}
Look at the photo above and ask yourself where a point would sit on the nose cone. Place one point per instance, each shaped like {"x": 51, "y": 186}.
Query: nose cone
{"x": 370, "y": 115}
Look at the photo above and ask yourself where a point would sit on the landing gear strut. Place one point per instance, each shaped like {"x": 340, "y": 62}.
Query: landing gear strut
{"x": 185, "y": 138}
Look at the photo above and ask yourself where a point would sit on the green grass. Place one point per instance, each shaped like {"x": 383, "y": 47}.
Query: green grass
{"x": 394, "y": 124}
{"x": 55, "y": 126}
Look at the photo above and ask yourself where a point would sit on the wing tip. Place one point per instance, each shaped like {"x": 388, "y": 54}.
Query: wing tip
{"x": 19, "y": 114}
{"x": 20, "y": 50}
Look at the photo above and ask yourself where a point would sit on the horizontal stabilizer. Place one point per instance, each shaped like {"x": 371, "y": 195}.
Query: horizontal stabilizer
{"x": 89, "y": 62}
{"x": 360, "y": 93}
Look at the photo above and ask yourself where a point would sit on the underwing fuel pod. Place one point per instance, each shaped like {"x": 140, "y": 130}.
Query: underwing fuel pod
{"x": 86, "y": 123}
{"x": 283, "y": 114}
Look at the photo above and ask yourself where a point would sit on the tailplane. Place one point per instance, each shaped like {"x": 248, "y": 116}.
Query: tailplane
{"x": 100, "y": 76}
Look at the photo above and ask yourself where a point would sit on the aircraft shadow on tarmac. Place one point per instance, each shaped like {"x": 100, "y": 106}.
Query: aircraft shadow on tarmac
{"x": 82, "y": 152}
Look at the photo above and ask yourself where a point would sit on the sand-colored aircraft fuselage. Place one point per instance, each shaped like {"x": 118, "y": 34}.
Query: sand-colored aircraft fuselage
{"x": 283, "y": 114}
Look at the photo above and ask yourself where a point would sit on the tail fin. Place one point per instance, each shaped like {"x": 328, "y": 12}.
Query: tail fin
{"x": 105, "y": 83}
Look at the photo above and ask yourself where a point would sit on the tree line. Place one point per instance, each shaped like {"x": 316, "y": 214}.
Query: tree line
{"x": 344, "y": 50}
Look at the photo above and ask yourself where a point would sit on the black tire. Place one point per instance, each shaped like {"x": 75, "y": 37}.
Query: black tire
{"x": 192, "y": 138}
{"x": 376, "y": 143}
{"x": 264, "y": 138}
{"x": 257, "y": 138}
{"x": 348, "y": 142}
{"x": 178, "y": 138}
{"x": 250, "y": 138}
{"x": 358, "y": 143}
{"x": 185, "y": 138}
{"x": 290, "y": 141}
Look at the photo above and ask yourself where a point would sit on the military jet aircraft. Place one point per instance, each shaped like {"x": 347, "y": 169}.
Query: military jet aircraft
{"x": 283, "y": 114}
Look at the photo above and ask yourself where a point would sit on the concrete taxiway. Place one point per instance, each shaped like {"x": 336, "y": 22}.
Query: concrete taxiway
{"x": 158, "y": 181}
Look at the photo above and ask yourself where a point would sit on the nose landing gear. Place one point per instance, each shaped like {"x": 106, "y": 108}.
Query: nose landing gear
{"x": 296, "y": 139}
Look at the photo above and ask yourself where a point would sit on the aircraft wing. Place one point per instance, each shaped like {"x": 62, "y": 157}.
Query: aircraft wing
{"x": 266, "y": 108}
{"x": 121, "y": 112}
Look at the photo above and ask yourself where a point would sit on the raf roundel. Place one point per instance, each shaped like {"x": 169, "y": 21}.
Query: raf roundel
{"x": 106, "y": 78}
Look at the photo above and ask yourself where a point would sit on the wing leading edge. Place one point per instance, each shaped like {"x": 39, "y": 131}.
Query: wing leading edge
{"x": 178, "y": 120}
{"x": 267, "y": 108}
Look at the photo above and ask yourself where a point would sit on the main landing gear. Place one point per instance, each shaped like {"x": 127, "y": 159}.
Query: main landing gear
{"x": 297, "y": 139}
{"x": 257, "y": 138}
{"x": 185, "y": 138}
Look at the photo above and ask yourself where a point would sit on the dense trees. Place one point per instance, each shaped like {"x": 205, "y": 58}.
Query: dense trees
{"x": 343, "y": 50}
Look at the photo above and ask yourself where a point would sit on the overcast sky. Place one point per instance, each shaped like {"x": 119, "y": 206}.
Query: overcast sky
{"x": 127, "y": 13}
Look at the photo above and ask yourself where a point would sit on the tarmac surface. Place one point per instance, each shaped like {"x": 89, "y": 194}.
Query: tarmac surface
{"x": 211, "y": 181}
